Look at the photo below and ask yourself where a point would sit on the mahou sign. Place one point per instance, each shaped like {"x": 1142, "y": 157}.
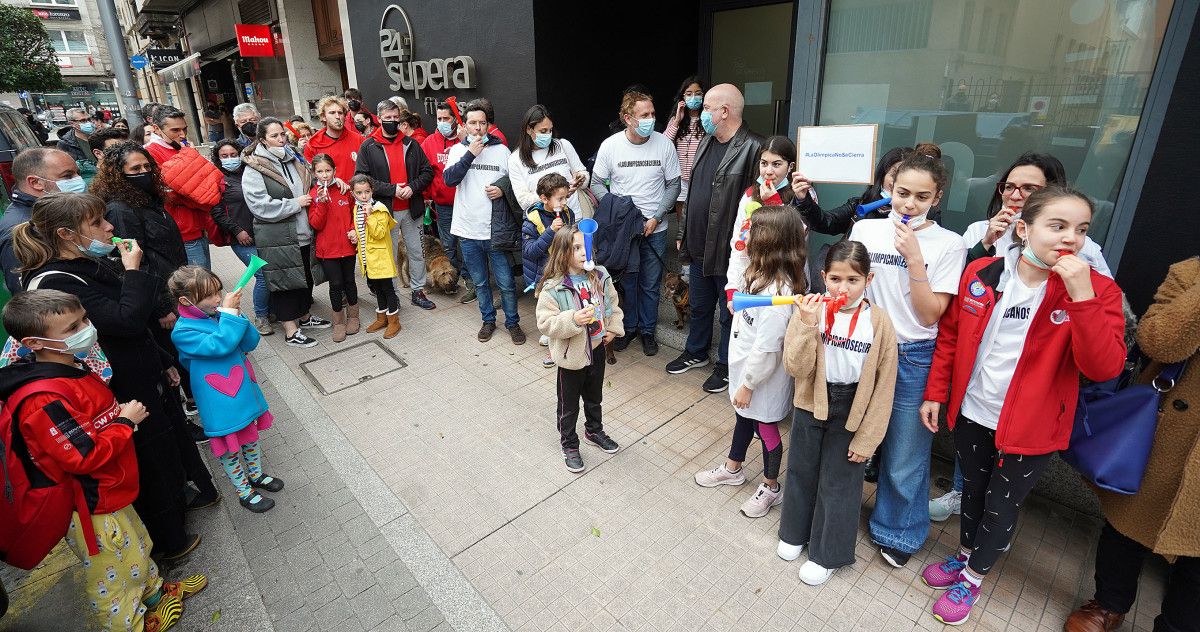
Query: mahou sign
{"x": 254, "y": 40}
{"x": 396, "y": 48}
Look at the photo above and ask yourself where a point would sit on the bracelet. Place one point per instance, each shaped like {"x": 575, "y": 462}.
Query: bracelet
{"x": 925, "y": 280}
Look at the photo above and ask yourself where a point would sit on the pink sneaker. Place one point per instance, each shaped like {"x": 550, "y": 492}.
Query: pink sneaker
{"x": 944, "y": 575}
{"x": 954, "y": 606}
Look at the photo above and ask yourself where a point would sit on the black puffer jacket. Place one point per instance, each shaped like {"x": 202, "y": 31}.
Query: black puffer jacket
{"x": 506, "y": 222}
{"x": 158, "y": 237}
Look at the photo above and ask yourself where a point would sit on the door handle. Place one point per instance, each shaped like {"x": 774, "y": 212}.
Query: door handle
{"x": 775, "y": 118}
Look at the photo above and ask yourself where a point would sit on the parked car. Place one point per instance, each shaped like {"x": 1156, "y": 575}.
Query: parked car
{"x": 15, "y": 135}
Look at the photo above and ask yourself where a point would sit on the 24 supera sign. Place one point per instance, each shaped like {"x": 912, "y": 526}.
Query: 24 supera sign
{"x": 255, "y": 40}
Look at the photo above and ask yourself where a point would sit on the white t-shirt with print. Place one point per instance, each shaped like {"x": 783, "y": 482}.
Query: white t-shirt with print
{"x": 756, "y": 348}
{"x": 472, "y": 217}
{"x": 639, "y": 171}
{"x": 845, "y": 353}
{"x": 945, "y": 257}
{"x": 1090, "y": 252}
{"x": 1003, "y": 340}
{"x": 564, "y": 161}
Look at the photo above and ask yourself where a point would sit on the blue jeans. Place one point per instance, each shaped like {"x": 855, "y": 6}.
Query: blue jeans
{"x": 641, "y": 289}
{"x": 957, "y": 477}
{"x": 450, "y": 243}
{"x": 479, "y": 255}
{"x": 261, "y": 293}
{"x": 706, "y": 293}
{"x": 197, "y": 253}
{"x": 901, "y": 517}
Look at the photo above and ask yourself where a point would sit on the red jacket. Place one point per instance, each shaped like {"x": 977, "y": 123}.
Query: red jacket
{"x": 82, "y": 436}
{"x": 343, "y": 150}
{"x": 419, "y": 135}
{"x": 332, "y": 217}
{"x": 191, "y": 215}
{"x": 437, "y": 150}
{"x": 1065, "y": 339}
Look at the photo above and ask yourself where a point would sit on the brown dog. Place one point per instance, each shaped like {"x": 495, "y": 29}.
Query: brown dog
{"x": 402, "y": 264}
{"x": 677, "y": 289}
{"x": 441, "y": 274}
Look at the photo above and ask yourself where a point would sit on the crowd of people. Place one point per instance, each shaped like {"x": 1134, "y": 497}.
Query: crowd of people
{"x": 117, "y": 323}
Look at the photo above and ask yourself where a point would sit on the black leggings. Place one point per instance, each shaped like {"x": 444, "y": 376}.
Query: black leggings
{"x": 340, "y": 273}
{"x": 994, "y": 486}
{"x": 743, "y": 434}
{"x": 385, "y": 294}
{"x": 1119, "y": 561}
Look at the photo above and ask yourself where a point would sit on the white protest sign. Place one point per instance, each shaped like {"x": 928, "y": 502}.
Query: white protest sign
{"x": 837, "y": 154}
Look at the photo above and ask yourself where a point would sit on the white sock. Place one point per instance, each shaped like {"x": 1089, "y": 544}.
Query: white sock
{"x": 970, "y": 578}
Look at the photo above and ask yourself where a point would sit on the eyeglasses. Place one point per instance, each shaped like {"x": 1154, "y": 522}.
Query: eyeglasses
{"x": 1007, "y": 188}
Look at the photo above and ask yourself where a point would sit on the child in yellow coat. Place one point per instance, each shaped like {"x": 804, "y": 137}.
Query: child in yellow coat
{"x": 373, "y": 223}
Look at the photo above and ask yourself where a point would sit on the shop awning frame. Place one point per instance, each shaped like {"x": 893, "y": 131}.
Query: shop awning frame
{"x": 184, "y": 69}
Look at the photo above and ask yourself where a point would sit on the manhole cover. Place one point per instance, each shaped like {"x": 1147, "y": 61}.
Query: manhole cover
{"x": 345, "y": 368}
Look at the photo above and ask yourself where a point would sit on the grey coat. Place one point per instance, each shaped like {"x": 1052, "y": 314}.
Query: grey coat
{"x": 271, "y": 187}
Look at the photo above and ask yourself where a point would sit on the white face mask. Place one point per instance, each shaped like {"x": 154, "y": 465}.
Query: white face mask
{"x": 278, "y": 152}
{"x": 912, "y": 221}
{"x": 77, "y": 342}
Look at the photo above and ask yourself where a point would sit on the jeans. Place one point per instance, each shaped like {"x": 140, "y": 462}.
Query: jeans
{"x": 901, "y": 517}
{"x": 450, "y": 243}
{"x": 1119, "y": 561}
{"x": 410, "y": 229}
{"x": 479, "y": 256}
{"x": 641, "y": 289}
{"x": 197, "y": 253}
{"x": 262, "y": 294}
{"x": 706, "y": 293}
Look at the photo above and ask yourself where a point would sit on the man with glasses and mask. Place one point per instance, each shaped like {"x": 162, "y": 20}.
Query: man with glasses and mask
{"x": 245, "y": 118}
{"x": 190, "y": 213}
{"x": 74, "y": 138}
{"x": 37, "y": 171}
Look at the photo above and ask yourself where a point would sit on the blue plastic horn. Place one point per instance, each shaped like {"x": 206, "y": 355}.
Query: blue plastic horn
{"x": 863, "y": 209}
{"x": 588, "y": 227}
{"x": 742, "y": 300}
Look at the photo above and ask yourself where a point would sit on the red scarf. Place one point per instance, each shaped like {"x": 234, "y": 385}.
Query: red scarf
{"x": 397, "y": 171}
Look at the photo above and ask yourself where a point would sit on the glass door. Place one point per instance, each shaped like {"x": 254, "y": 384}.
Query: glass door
{"x": 751, "y": 48}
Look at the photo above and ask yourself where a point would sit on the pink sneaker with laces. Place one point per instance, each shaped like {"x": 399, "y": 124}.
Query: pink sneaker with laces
{"x": 944, "y": 575}
{"x": 954, "y": 606}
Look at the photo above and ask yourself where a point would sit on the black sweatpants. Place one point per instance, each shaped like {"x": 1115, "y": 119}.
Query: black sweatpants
{"x": 823, "y": 495}
{"x": 573, "y": 384}
{"x": 1119, "y": 561}
{"x": 994, "y": 486}
{"x": 340, "y": 273}
{"x": 743, "y": 433}
{"x": 385, "y": 294}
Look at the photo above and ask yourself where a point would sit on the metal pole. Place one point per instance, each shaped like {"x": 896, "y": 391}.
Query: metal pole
{"x": 126, "y": 90}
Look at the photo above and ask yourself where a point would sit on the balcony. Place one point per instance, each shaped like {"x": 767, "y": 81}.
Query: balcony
{"x": 165, "y": 6}
{"x": 157, "y": 25}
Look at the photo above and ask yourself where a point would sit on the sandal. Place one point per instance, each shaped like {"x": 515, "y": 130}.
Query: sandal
{"x": 185, "y": 588}
{"x": 269, "y": 483}
{"x": 257, "y": 503}
{"x": 165, "y": 615}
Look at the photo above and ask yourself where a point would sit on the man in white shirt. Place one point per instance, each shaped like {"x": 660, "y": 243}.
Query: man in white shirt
{"x": 642, "y": 164}
{"x": 473, "y": 166}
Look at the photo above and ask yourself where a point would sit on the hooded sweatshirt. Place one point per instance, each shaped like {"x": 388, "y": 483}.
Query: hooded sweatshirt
{"x": 343, "y": 150}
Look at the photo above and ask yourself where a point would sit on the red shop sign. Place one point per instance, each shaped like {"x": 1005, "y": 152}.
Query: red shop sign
{"x": 254, "y": 40}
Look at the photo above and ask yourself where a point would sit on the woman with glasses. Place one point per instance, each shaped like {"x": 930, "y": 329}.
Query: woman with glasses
{"x": 685, "y": 132}
{"x": 1028, "y": 173}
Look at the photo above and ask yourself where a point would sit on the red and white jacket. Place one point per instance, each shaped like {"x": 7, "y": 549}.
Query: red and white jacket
{"x": 1065, "y": 339}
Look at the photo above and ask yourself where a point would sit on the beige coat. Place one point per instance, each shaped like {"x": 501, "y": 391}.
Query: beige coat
{"x": 1165, "y": 514}
{"x": 556, "y": 309}
{"x": 804, "y": 357}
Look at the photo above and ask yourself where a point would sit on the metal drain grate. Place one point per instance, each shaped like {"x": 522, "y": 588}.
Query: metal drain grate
{"x": 342, "y": 369}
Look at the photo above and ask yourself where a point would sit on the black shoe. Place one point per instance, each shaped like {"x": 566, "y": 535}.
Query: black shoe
{"x": 686, "y": 362}
{"x": 871, "y": 472}
{"x": 269, "y": 483}
{"x": 602, "y": 441}
{"x": 189, "y": 408}
{"x": 420, "y": 300}
{"x": 204, "y": 502}
{"x": 257, "y": 503}
{"x": 649, "y": 345}
{"x": 622, "y": 343}
{"x": 718, "y": 381}
{"x": 574, "y": 461}
{"x": 196, "y": 433}
{"x": 315, "y": 322}
{"x": 193, "y": 541}
{"x": 298, "y": 339}
{"x": 894, "y": 557}
{"x": 486, "y": 331}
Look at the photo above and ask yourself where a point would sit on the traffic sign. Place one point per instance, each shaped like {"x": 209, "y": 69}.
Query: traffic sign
{"x": 138, "y": 62}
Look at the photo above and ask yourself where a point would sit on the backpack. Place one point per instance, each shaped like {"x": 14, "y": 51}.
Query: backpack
{"x": 35, "y": 511}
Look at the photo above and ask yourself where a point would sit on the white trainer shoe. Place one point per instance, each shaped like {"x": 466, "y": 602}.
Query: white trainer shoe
{"x": 814, "y": 574}
{"x": 761, "y": 502}
{"x": 944, "y": 506}
{"x": 720, "y": 476}
{"x": 788, "y": 552}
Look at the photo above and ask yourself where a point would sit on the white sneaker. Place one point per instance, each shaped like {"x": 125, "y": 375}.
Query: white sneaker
{"x": 944, "y": 506}
{"x": 544, "y": 340}
{"x": 720, "y": 476}
{"x": 814, "y": 574}
{"x": 788, "y": 552}
{"x": 762, "y": 501}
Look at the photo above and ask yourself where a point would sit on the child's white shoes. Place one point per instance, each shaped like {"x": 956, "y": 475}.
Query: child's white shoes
{"x": 761, "y": 502}
{"x": 814, "y": 574}
{"x": 789, "y": 552}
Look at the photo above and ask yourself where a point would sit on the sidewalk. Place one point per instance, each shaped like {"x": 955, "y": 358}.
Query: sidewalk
{"x": 426, "y": 490}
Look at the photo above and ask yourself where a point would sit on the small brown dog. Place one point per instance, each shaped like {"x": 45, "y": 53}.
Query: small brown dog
{"x": 402, "y": 263}
{"x": 441, "y": 276}
{"x": 677, "y": 289}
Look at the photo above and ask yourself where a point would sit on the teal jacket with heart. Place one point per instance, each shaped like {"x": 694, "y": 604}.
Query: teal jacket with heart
{"x": 213, "y": 350}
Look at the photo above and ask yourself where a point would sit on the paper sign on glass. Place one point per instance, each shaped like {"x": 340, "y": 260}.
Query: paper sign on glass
{"x": 837, "y": 154}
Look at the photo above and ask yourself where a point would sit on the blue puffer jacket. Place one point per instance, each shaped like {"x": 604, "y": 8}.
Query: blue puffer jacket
{"x": 535, "y": 242}
{"x": 223, "y": 382}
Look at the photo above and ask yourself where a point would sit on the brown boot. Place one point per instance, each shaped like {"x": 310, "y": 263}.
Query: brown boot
{"x": 393, "y": 325}
{"x": 1091, "y": 617}
{"x": 381, "y": 321}
{"x": 339, "y": 326}
{"x": 352, "y": 322}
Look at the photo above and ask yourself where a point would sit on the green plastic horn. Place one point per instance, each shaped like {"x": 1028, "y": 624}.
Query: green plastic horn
{"x": 255, "y": 265}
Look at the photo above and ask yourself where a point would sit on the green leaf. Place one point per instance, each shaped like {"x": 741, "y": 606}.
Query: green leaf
{"x": 216, "y": 616}
{"x": 595, "y": 532}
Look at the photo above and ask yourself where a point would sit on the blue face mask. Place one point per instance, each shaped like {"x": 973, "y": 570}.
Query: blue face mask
{"x": 72, "y": 185}
{"x": 97, "y": 248}
{"x": 445, "y": 128}
{"x": 778, "y": 187}
{"x": 706, "y": 121}
{"x": 542, "y": 140}
{"x": 693, "y": 103}
{"x": 645, "y": 127}
{"x": 1033, "y": 259}
{"x": 231, "y": 164}
{"x": 87, "y": 128}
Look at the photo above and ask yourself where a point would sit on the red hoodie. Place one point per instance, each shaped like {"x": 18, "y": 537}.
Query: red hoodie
{"x": 419, "y": 135}
{"x": 332, "y": 216}
{"x": 1065, "y": 339}
{"x": 343, "y": 150}
{"x": 437, "y": 150}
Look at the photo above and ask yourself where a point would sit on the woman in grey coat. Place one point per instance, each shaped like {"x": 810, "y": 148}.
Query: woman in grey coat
{"x": 276, "y": 184}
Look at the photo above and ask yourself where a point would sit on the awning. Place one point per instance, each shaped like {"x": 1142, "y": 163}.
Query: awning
{"x": 188, "y": 67}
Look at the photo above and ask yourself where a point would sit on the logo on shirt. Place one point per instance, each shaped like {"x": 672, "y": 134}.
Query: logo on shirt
{"x": 1059, "y": 316}
{"x": 849, "y": 344}
{"x": 480, "y": 167}
{"x": 443, "y": 158}
{"x": 1018, "y": 313}
{"x": 354, "y": 155}
{"x": 548, "y": 165}
{"x": 976, "y": 288}
{"x": 886, "y": 259}
{"x": 640, "y": 163}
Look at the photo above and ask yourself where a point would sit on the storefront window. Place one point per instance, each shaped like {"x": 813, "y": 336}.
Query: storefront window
{"x": 988, "y": 80}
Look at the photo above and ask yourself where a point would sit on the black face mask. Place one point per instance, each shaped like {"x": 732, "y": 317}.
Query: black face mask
{"x": 354, "y": 104}
{"x": 360, "y": 127}
{"x": 390, "y": 127}
{"x": 143, "y": 181}
{"x": 249, "y": 129}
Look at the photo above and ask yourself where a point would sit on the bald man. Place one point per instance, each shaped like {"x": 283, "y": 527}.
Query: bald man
{"x": 725, "y": 166}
